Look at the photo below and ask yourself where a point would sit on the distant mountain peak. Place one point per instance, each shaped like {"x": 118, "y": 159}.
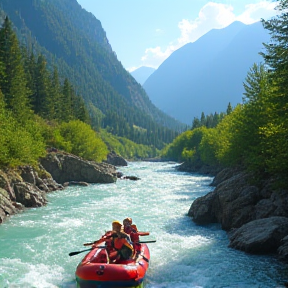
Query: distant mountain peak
{"x": 142, "y": 74}
{"x": 204, "y": 76}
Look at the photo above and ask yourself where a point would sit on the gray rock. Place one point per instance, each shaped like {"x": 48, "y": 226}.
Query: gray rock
{"x": 26, "y": 187}
{"x": 260, "y": 236}
{"x": 6, "y": 205}
{"x": 283, "y": 249}
{"x": 256, "y": 216}
{"x": 29, "y": 195}
{"x": 75, "y": 183}
{"x": 17, "y": 192}
{"x": 231, "y": 203}
{"x": 67, "y": 168}
{"x": 203, "y": 209}
{"x": 116, "y": 160}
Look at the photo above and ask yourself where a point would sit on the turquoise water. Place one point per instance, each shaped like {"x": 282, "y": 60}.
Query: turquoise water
{"x": 35, "y": 244}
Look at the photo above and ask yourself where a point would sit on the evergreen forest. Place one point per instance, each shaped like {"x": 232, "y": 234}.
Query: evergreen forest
{"x": 38, "y": 111}
{"x": 74, "y": 45}
{"x": 254, "y": 134}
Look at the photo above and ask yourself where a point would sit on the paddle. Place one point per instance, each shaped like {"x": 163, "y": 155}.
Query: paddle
{"x": 78, "y": 252}
{"x": 149, "y": 241}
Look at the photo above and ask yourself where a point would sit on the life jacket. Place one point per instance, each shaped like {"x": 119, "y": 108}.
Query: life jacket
{"x": 119, "y": 242}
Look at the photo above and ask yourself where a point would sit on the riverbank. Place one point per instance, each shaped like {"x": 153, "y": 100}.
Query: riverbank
{"x": 26, "y": 187}
{"x": 254, "y": 213}
{"x": 35, "y": 245}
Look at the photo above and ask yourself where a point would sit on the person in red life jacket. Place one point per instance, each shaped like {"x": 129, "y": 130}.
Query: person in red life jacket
{"x": 121, "y": 242}
{"x": 119, "y": 245}
{"x": 132, "y": 230}
{"x": 107, "y": 238}
{"x": 127, "y": 222}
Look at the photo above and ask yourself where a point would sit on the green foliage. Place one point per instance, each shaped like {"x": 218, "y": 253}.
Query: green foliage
{"x": 75, "y": 43}
{"x": 84, "y": 141}
{"x": 185, "y": 147}
{"x": 275, "y": 132}
{"x": 13, "y": 83}
{"x": 276, "y": 156}
{"x": 209, "y": 144}
{"x": 127, "y": 148}
{"x": 18, "y": 145}
{"x": 228, "y": 128}
{"x": 210, "y": 121}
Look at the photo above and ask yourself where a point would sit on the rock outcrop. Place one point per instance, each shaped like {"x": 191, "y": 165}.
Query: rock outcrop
{"x": 260, "y": 236}
{"x": 26, "y": 187}
{"x": 198, "y": 168}
{"x": 66, "y": 168}
{"x": 239, "y": 205}
{"x": 116, "y": 160}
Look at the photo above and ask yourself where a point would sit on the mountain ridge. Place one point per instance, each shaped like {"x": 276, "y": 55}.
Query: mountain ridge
{"x": 182, "y": 85}
{"x": 142, "y": 73}
{"x": 74, "y": 41}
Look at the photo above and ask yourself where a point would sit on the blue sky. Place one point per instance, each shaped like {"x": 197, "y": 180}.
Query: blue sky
{"x": 146, "y": 32}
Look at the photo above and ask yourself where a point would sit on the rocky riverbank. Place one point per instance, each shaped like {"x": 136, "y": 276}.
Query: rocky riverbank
{"x": 254, "y": 215}
{"x": 26, "y": 187}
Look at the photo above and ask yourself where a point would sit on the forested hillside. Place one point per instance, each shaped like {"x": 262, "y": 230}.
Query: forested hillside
{"x": 73, "y": 41}
{"x": 38, "y": 112}
{"x": 254, "y": 135}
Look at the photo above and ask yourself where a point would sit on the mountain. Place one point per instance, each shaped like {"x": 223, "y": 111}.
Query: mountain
{"x": 75, "y": 42}
{"x": 204, "y": 76}
{"x": 141, "y": 74}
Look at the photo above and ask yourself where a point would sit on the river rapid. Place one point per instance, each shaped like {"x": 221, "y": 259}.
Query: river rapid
{"x": 35, "y": 244}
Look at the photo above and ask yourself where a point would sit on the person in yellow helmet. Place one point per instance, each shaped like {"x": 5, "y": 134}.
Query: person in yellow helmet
{"x": 119, "y": 245}
{"x": 121, "y": 242}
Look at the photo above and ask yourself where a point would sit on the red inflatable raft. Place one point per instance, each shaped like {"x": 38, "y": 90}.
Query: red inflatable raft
{"x": 95, "y": 271}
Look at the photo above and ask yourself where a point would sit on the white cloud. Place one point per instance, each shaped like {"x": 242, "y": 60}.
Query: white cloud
{"x": 211, "y": 16}
{"x": 254, "y": 12}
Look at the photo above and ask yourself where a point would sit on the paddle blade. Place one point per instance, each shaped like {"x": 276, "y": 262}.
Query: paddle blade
{"x": 88, "y": 244}
{"x": 148, "y": 241}
{"x": 74, "y": 253}
{"x": 78, "y": 252}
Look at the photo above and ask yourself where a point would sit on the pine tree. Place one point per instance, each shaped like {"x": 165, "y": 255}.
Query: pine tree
{"x": 203, "y": 119}
{"x": 56, "y": 97}
{"x": 276, "y": 58}
{"x": 13, "y": 83}
{"x": 229, "y": 109}
{"x": 196, "y": 123}
{"x": 42, "y": 84}
{"x": 30, "y": 71}
{"x": 66, "y": 113}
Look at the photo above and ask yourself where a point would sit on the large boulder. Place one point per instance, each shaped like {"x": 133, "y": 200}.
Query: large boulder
{"x": 29, "y": 195}
{"x": 67, "y": 167}
{"x": 23, "y": 187}
{"x": 198, "y": 168}
{"x": 256, "y": 216}
{"x": 236, "y": 200}
{"x": 116, "y": 160}
{"x": 260, "y": 236}
{"x": 203, "y": 209}
{"x": 7, "y": 206}
{"x": 44, "y": 183}
{"x": 283, "y": 249}
{"x": 231, "y": 203}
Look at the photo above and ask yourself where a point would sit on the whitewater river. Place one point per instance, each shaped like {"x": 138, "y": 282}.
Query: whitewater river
{"x": 34, "y": 245}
